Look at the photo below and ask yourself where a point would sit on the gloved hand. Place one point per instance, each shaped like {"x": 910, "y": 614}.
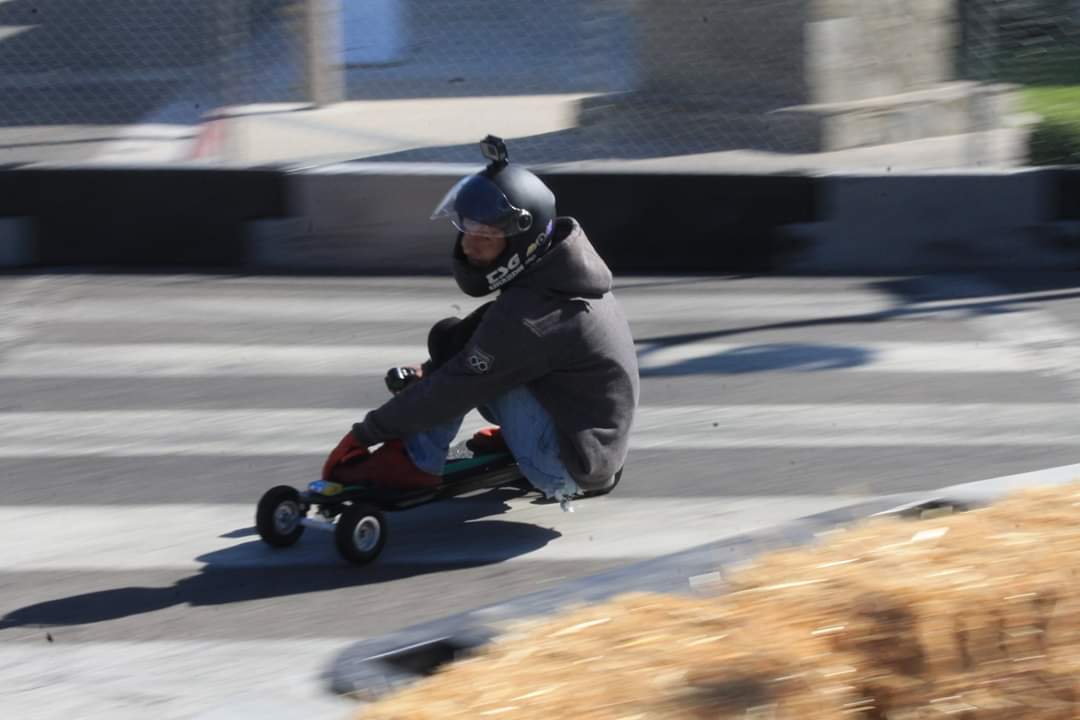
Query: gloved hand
{"x": 399, "y": 378}
{"x": 348, "y": 449}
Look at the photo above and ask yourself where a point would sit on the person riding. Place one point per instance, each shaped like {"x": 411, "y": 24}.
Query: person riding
{"x": 550, "y": 361}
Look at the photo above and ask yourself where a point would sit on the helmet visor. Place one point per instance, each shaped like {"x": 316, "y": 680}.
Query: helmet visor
{"x": 476, "y": 205}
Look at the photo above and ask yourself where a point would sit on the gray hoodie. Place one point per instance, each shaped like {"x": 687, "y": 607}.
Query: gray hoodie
{"x": 557, "y": 329}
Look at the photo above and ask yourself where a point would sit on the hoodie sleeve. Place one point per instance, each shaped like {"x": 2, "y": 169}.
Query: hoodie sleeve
{"x": 501, "y": 355}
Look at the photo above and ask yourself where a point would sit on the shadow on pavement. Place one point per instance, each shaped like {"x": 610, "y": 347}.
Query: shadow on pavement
{"x": 254, "y": 571}
{"x": 764, "y": 358}
{"x": 1052, "y": 287}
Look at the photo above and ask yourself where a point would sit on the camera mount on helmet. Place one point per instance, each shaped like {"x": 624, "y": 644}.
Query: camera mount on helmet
{"x": 494, "y": 149}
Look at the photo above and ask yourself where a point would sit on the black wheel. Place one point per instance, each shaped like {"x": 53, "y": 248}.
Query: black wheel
{"x": 360, "y": 533}
{"x": 278, "y": 516}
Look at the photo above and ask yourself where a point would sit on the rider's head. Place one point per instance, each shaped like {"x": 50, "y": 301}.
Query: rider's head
{"x": 503, "y": 215}
{"x": 482, "y": 244}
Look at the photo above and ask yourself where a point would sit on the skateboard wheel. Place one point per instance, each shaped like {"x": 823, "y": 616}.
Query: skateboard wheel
{"x": 278, "y": 516}
{"x": 360, "y": 533}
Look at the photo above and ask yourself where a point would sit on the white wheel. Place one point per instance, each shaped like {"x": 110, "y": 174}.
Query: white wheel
{"x": 360, "y": 533}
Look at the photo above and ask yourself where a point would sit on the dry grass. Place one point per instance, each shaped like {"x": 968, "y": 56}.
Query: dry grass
{"x": 973, "y": 616}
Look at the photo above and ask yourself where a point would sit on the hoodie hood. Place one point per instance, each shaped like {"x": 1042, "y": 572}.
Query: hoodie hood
{"x": 571, "y": 265}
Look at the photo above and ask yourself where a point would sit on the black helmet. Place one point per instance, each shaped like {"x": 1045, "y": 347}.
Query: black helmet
{"x": 508, "y": 198}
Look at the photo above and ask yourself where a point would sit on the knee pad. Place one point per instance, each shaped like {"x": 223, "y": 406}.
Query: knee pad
{"x": 441, "y": 341}
{"x": 450, "y": 335}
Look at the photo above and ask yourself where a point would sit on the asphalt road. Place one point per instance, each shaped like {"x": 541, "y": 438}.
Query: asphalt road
{"x": 142, "y": 417}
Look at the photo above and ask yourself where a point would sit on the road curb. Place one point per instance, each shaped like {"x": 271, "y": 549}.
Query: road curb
{"x": 378, "y": 666}
{"x": 375, "y": 667}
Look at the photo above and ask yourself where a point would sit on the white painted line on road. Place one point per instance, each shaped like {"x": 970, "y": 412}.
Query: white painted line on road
{"x": 138, "y": 433}
{"x": 857, "y": 425}
{"x": 113, "y": 538}
{"x": 18, "y": 309}
{"x": 80, "y": 360}
{"x": 356, "y": 308}
{"x": 1029, "y": 328}
{"x": 123, "y": 433}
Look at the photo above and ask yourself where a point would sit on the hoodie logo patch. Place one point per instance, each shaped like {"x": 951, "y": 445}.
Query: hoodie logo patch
{"x": 479, "y": 361}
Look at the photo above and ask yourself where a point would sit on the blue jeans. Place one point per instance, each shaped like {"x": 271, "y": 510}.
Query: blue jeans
{"x": 529, "y": 432}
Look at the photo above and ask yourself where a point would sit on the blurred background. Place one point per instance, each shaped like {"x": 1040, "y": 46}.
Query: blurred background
{"x": 145, "y": 413}
{"x": 769, "y": 84}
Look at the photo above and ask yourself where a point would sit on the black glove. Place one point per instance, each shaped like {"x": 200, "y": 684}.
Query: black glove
{"x": 399, "y": 378}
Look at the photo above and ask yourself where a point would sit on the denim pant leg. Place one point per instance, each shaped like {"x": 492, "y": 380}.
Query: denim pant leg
{"x": 428, "y": 449}
{"x": 529, "y": 431}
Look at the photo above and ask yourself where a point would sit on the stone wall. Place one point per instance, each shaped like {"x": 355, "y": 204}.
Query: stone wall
{"x": 794, "y": 52}
{"x": 858, "y": 50}
{"x": 734, "y": 53}
{"x": 804, "y": 75}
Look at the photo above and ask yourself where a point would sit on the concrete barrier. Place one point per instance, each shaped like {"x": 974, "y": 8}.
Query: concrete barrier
{"x": 135, "y": 216}
{"x": 689, "y": 223}
{"x": 373, "y": 218}
{"x": 923, "y": 223}
{"x": 16, "y": 242}
{"x": 1066, "y": 194}
{"x": 360, "y": 220}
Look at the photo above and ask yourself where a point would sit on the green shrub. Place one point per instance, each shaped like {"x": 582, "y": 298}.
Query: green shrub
{"x": 1056, "y": 139}
{"x": 1054, "y": 142}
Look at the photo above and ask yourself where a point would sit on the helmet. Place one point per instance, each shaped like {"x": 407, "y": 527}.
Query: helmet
{"x": 508, "y": 198}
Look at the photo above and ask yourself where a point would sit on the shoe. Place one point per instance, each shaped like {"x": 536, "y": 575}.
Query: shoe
{"x": 606, "y": 488}
{"x": 388, "y": 468}
{"x": 487, "y": 441}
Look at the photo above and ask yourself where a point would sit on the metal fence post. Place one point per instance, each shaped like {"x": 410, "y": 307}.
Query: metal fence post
{"x": 324, "y": 62}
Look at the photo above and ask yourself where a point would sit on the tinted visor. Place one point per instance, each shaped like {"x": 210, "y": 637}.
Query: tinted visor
{"x": 477, "y": 203}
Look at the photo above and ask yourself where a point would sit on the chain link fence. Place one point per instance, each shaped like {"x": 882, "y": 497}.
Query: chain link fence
{"x": 772, "y": 84}
{"x": 135, "y": 79}
{"x": 1034, "y": 44}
